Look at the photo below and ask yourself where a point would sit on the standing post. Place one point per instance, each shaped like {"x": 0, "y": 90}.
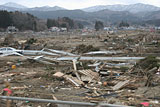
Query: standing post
{"x": 75, "y": 69}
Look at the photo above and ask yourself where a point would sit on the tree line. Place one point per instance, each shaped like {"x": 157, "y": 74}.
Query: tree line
{"x": 5, "y": 19}
{"x": 26, "y": 21}
{"x": 65, "y": 22}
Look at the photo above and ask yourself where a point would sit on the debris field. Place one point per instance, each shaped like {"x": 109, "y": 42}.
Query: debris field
{"x": 121, "y": 68}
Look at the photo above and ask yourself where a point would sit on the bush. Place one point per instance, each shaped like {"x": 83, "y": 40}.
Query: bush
{"x": 124, "y": 69}
{"x": 84, "y": 49}
{"x": 31, "y": 41}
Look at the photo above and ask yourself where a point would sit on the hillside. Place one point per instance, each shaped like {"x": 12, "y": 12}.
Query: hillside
{"x": 90, "y": 17}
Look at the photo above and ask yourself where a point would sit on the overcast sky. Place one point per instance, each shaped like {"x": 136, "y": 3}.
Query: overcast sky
{"x": 77, "y": 4}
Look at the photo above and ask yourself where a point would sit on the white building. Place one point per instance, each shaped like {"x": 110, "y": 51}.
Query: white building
{"x": 54, "y": 29}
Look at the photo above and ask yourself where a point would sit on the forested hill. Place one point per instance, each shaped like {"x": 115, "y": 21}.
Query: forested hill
{"x": 22, "y": 21}
{"x": 26, "y": 21}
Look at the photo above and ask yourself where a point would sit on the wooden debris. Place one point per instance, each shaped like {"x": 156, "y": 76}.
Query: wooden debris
{"x": 87, "y": 79}
{"x": 122, "y": 78}
{"x": 70, "y": 78}
{"x": 74, "y": 80}
{"x": 150, "y": 74}
{"x": 18, "y": 88}
{"x": 75, "y": 69}
{"x": 89, "y": 73}
{"x": 120, "y": 85}
{"x": 74, "y": 65}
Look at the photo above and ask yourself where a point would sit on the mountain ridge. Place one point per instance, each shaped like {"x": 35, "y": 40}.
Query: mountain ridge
{"x": 104, "y": 15}
{"x": 11, "y": 6}
{"x": 14, "y": 5}
{"x": 133, "y": 8}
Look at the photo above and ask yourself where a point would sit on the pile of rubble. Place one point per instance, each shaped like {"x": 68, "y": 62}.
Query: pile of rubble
{"x": 115, "y": 86}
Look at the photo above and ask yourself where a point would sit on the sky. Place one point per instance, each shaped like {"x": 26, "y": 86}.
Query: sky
{"x": 78, "y": 4}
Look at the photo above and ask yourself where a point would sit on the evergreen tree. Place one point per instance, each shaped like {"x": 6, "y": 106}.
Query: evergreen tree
{"x": 99, "y": 25}
{"x": 123, "y": 24}
{"x": 52, "y": 22}
{"x": 5, "y": 19}
{"x": 69, "y": 21}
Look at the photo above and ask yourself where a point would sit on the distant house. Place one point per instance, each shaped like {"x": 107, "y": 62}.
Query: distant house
{"x": 12, "y": 29}
{"x": 63, "y": 29}
{"x": 157, "y": 28}
{"x": 107, "y": 28}
{"x": 110, "y": 30}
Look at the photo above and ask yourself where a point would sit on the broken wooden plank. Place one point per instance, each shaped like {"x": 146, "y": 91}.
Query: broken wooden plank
{"x": 75, "y": 69}
{"x": 120, "y": 85}
{"x": 71, "y": 79}
{"x": 19, "y": 88}
{"x": 74, "y": 80}
{"x": 74, "y": 65}
{"x": 58, "y": 74}
{"x": 87, "y": 79}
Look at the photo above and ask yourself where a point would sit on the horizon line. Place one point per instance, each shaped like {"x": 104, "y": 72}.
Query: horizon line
{"x": 76, "y": 8}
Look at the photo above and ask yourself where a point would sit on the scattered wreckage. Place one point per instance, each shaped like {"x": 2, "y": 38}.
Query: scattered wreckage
{"x": 102, "y": 80}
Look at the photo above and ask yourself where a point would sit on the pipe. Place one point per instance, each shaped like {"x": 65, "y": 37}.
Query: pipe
{"x": 99, "y": 58}
{"x": 60, "y": 102}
